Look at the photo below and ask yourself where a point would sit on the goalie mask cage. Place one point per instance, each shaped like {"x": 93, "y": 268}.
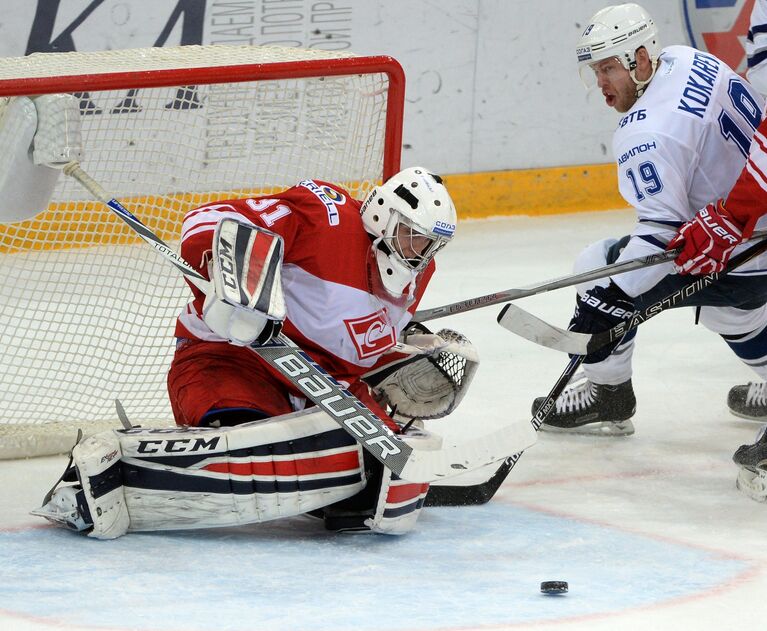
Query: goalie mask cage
{"x": 88, "y": 310}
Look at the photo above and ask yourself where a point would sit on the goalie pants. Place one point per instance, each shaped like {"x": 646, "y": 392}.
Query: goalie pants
{"x": 735, "y": 307}
{"x": 215, "y": 379}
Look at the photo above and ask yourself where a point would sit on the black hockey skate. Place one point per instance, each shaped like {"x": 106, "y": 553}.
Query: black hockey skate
{"x": 749, "y": 401}
{"x": 593, "y": 409}
{"x": 752, "y": 460}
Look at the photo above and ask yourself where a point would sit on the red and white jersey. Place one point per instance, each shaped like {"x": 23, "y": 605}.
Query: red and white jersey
{"x": 747, "y": 200}
{"x": 332, "y": 311}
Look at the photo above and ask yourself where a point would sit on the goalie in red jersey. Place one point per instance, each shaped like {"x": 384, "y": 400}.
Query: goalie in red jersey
{"x": 352, "y": 274}
{"x": 342, "y": 278}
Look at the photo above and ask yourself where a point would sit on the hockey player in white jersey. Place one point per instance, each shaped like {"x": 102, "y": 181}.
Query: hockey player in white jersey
{"x": 682, "y": 141}
{"x": 756, "y": 47}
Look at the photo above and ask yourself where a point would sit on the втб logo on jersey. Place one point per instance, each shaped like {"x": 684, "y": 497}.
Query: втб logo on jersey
{"x": 371, "y": 334}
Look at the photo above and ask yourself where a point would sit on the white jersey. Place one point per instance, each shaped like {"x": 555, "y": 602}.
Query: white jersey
{"x": 680, "y": 147}
{"x": 756, "y": 47}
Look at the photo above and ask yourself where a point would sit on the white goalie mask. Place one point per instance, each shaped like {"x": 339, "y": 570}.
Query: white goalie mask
{"x": 411, "y": 217}
{"x": 618, "y": 31}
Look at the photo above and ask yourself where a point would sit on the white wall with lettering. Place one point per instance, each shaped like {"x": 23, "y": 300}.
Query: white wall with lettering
{"x": 492, "y": 84}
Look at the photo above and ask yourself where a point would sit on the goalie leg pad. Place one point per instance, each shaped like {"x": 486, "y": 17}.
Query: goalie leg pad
{"x": 205, "y": 477}
{"x": 399, "y": 505}
{"x": 388, "y": 506}
{"x": 250, "y": 473}
{"x": 97, "y": 460}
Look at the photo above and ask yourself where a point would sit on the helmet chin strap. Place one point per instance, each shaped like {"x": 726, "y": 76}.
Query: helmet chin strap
{"x": 642, "y": 85}
{"x": 396, "y": 280}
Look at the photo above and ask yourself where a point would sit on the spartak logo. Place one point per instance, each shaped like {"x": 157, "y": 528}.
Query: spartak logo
{"x": 371, "y": 334}
{"x": 720, "y": 28}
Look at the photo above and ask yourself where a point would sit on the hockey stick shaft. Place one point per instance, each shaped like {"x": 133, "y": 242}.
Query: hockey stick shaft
{"x": 319, "y": 387}
{"x": 528, "y": 326}
{"x": 488, "y": 300}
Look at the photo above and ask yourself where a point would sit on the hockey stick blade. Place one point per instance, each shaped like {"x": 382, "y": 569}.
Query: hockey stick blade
{"x": 528, "y": 326}
{"x": 488, "y": 300}
{"x": 398, "y": 453}
{"x": 470, "y": 495}
{"x": 483, "y": 493}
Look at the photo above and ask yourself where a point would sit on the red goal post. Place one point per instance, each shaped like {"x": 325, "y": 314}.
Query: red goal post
{"x": 86, "y": 310}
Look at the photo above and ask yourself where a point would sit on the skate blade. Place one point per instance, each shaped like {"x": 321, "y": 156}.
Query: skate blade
{"x": 755, "y": 419}
{"x": 54, "y": 513}
{"x": 56, "y": 517}
{"x": 753, "y": 484}
{"x": 601, "y": 428}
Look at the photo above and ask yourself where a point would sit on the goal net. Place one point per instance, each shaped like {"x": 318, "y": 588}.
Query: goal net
{"x": 87, "y": 310}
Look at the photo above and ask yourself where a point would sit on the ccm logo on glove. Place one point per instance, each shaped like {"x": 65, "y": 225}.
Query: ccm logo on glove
{"x": 226, "y": 264}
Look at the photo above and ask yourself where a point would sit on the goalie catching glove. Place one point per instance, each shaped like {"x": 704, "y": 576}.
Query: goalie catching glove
{"x": 431, "y": 383}
{"x": 248, "y": 305}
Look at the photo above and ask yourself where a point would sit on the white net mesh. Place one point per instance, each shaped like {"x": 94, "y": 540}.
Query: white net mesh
{"x": 86, "y": 309}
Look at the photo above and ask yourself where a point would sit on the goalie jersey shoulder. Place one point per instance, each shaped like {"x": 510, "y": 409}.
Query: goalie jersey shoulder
{"x": 318, "y": 221}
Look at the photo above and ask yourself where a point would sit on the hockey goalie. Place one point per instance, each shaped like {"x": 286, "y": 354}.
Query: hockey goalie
{"x": 342, "y": 278}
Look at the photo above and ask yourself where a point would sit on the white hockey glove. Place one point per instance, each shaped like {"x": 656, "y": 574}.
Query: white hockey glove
{"x": 58, "y": 139}
{"x": 430, "y": 384}
{"x": 248, "y": 305}
{"x": 38, "y": 136}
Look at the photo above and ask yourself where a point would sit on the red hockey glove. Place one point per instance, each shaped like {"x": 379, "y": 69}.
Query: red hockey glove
{"x": 707, "y": 240}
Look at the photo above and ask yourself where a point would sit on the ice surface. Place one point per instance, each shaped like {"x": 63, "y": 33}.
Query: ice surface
{"x": 648, "y": 530}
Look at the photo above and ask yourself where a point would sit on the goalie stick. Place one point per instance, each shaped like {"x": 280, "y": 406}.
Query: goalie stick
{"x": 488, "y": 300}
{"x": 407, "y": 460}
{"x": 536, "y": 330}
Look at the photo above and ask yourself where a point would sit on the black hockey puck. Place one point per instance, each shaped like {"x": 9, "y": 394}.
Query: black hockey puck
{"x": 554, "y": 587}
